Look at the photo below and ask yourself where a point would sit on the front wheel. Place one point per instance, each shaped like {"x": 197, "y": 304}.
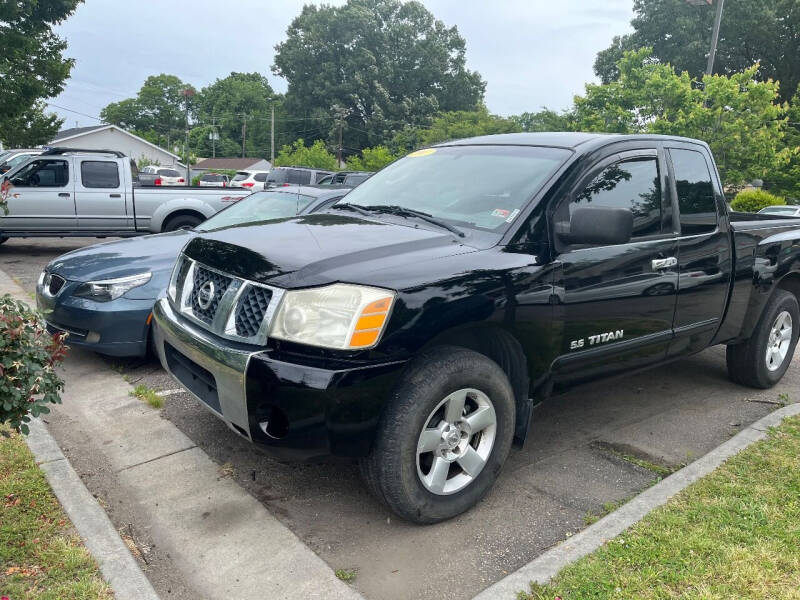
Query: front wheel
{"x": 444, "y": 437}
{"x": 3, "y": 239}
{"x": 761, "y": 361}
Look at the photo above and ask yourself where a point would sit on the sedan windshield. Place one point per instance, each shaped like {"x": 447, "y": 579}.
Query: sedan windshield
{"x": 481, "y": 187}
{"x": 261, "y": 206}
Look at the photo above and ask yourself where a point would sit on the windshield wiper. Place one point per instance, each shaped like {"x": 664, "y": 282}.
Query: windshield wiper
{"x": 354, "y": 207}
{"x": 402, "y": 211}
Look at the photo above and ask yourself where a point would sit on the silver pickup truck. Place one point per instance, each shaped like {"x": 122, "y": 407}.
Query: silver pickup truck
{"x": 70, "y": 192}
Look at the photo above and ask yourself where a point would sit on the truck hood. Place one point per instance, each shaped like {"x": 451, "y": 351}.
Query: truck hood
{"x": 119, "y": 258}
{"x": 322, "y": 248}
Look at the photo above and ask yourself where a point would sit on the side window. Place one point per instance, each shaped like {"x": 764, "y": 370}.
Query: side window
{"x": 299, "y": 177}
{"x": 696, "y": 203}
{"x": 99, "y": 174}
{"x": 43, "y": 173}
{"x": 261, "y": 177}
{"x": 634, "y": 185}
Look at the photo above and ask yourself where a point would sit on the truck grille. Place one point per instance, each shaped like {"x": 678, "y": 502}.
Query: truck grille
{"x": 228, "y": 306}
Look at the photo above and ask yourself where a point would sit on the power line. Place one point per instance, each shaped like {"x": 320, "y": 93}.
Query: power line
{"x": 75, "y": 111}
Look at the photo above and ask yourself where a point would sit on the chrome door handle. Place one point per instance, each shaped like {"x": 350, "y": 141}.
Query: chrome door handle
{"x": 664, "y": 263}
{"x": 63, "y": 195}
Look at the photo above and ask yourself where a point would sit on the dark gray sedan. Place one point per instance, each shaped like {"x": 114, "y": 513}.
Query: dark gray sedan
{"x": 103, "y": 295}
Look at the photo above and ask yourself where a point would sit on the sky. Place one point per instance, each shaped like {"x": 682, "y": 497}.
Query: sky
{"x": 531, "y": 53}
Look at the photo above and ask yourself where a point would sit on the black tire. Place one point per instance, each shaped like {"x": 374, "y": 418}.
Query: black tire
{"x": 391, "y": 469}
{"x": 747, "y": 361}
{"x": 3, "y": 239}
{"x": 181, "y": 222}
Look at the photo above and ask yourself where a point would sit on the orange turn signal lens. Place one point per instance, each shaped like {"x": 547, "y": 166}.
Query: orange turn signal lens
{"x": 370, "y": 324}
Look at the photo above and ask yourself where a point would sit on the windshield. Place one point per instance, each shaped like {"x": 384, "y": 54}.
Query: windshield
{"x": 211, "y": 178}
{"x": 260, "y": 206}
{"x": 481, "y": 187}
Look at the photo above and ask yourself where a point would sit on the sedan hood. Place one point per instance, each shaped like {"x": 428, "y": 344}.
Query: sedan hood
{"x": 120, "y": 258}
{"x": 321, "y": 248}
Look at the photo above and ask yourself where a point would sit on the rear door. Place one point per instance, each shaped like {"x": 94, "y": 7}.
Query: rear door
{"x": 617, "y": 301}
{"x": 704, "y": 247}
{"x": 100, "y": 195}
{"x": 40, "y": 197}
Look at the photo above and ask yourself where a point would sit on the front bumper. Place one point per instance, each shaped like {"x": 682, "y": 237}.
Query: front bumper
{"x": 293, "y": 411}
{"x": 117, "y": 328}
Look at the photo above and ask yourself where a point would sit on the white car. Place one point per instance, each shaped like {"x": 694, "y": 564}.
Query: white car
{"x": 214, "y": 180}
{"x": 164, "y": 175}
{"x": 249, "y": 179}
{"x": 12, "y": 158}
{"x": 785, "y": 211}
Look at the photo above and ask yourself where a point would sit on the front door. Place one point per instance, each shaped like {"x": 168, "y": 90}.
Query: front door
{"x": 40, "y": 197}
{"x": 617, "y": 302}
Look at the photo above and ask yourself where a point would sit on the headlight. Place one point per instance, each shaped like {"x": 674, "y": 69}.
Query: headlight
{"x": 110, "y": 289}
{"x": 340, "y": 316}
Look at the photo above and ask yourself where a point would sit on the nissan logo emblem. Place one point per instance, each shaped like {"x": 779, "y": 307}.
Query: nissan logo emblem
{"x": 205, "y": 295}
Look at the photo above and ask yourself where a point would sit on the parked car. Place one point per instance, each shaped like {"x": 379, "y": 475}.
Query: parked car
{"x": 69, "y": 192}
{"x": 348, "y": 178}
{"x": 13, "y": 158}
{"x": 417, "y": 322}
{"x": 251, "y": 180}
{"x": 214, "y": 180}
{"x": 165, "y": 176}
{"x": 785, "y": 211}
{"x": 103, "y": 295}
{"x": 294, "y": 176}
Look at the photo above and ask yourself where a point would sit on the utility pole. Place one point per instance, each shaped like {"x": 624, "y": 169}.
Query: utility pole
{"x": 187, "y": 93}
{"x": 244, "y": 132}
{"x": 339, "y": 154}
{"x": 714, "y": 38}
{"x": 213, "y": 137}
{"x": 272, "y": 135}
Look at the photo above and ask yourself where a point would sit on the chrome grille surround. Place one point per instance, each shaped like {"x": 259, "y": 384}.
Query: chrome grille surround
{"x": 241, "y": 312}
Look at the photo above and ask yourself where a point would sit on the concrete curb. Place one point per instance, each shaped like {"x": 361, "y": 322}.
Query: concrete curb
{"x": 547, "y": 565}
{"x": 117, "y": 564}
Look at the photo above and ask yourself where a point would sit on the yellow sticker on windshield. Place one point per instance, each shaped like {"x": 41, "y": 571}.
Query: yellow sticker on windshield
{"x": 423, "y": 152}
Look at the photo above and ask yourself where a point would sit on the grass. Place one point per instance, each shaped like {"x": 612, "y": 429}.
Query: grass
{"x": 591, "y": 518}
{"x": 733, "y": 534}
{"x": 660, "y": 470}
{"x": 41, "y": 557}
{"x": 149, "y": 395}
{"x": 346, "y": 575}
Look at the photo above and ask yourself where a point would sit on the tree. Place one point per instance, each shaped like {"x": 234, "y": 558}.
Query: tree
{"x": 388, "y": 63}
{"x": 31, "y": 128}
{"x": 372, "y": 159}
{"x": 32, "y": 66}
{"x": 298, "y": 154}
{"x": 157, "y": 113}
{"x": 238, "y": 105}
{"x": 738, "y": 116}
{"x": 545, "y": 120}
{"x": 453, "y": 126}
{"x": 764, "y": 33}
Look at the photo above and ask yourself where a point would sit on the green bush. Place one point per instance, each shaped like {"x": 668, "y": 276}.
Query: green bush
{"x": 754, "y": 200}
{"x": 29, "y": 356}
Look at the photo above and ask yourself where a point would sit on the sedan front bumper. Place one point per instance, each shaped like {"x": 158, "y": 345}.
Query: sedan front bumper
{"x": 293, "y": 411}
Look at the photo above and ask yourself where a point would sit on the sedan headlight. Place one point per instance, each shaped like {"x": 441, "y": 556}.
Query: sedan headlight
{"x": 110, "y": 289}
{"x": 340, "y": 316}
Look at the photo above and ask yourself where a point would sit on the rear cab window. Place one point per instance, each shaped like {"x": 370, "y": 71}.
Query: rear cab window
{"x": 99, "y": 174}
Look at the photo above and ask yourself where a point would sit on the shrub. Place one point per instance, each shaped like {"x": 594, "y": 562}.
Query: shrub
{"x": 754, "y": 200}
{"x": 28, "y": 358}
{"x": 371, "y": 159}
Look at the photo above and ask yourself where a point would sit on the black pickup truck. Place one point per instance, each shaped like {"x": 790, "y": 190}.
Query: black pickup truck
{"x": 416, "y": 323}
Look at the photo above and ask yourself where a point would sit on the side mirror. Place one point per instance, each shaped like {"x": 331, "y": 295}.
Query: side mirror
{"x": 600, "y": 225}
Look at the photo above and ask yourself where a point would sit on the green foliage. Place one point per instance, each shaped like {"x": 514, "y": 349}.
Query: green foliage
{"x": 32, "y": 65}
{"x": 386, "y": 63}
{"x": 298, "y": 154}
{"x": 143, "y": 161}
{"x": 453, "y": 126}
{"x": 736, "y": 115}
{"x": 545, "y": 120}
{"x": 754, "y": 200}
{"x": 752, "y": 32}
{"x": 28, "y": 357}
{"x": 372, "y": 159}
{"x": 30, "y": 128}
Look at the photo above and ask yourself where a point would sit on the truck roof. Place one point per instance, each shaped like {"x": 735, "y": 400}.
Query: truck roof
{"x": 561, "y": 139}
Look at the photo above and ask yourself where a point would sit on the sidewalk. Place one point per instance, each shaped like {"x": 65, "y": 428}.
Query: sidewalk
{"x": 224, "y": 543}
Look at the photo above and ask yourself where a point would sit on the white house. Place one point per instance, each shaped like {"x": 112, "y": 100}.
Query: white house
{"x": 111, "y": 137}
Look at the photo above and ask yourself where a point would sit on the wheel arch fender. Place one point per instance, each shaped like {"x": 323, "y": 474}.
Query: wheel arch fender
{"x": 179, "y": 206}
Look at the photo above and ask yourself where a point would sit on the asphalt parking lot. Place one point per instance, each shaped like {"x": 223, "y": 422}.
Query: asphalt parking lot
{"x": 590, "y": 448}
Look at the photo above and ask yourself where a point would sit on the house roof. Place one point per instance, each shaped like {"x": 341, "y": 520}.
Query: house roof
{"x": 227, "y": 163}
{"x": 74, "y": 132}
